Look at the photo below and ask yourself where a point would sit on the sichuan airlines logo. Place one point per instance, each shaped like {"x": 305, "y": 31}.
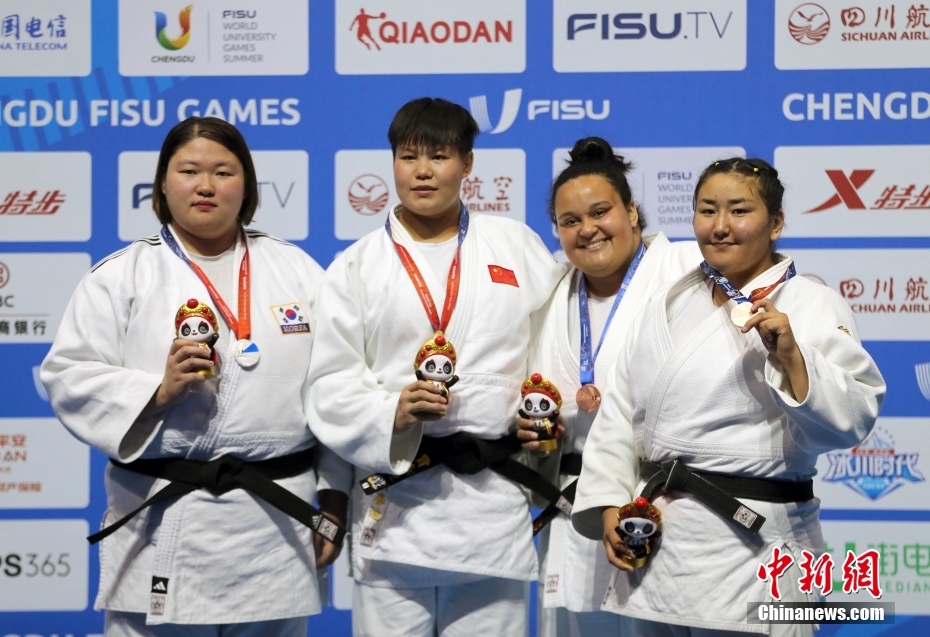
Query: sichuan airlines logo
{"x": 922, "y": 370}
{"x": 161, "y": 29}
{"x": 368, "y": 194}
{"x": 873, "y": 468}
{"x": 914, "y": 196}
{"x": 809, "y": 23}
{"x": 479, "y": 110}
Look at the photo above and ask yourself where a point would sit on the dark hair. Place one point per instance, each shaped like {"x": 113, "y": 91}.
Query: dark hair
{"x": 433, "y": 122}
{"x": 225, "y": 135}
{"x": 594, "y": 156}
{"x": 768, "y": 186}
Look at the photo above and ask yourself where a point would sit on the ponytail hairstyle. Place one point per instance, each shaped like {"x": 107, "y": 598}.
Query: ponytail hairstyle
{"x": 594, "y": 156}
{"x": 768, "y": 186}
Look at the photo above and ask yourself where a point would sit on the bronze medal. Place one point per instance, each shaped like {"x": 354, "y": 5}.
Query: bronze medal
{"x": 588, "y": 398}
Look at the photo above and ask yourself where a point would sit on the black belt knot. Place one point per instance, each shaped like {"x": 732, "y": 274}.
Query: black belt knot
{"x": 225, "y": 474}
{"x": 719, "y": 492}
{"x": 221, "y": 475}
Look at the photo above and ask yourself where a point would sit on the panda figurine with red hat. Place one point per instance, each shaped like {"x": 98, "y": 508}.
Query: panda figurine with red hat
{"x": 196, "y": 321}
{"x": 435, "y": 363}
{"x": 640, "y": 526}
{"x": 541, "y": 404}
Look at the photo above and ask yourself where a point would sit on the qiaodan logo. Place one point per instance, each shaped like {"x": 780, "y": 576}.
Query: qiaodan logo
{"x": 161, "y": 25}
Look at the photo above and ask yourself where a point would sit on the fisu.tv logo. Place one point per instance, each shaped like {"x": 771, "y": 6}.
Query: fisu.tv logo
{"x": 571, "y": 109}
{"x": 161, "y": 29}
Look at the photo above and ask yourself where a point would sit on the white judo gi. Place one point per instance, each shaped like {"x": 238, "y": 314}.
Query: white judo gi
{"x": 371, "y": 323}
{"x": 575, "y": 572}
{"x": 226, "y": 559}
{"x": 688, "y": 385}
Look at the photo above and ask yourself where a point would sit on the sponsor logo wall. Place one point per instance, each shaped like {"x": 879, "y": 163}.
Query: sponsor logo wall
{"x": 834, "y": 93}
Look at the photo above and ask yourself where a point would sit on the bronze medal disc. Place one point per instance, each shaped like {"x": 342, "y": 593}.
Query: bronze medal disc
{"x": 588, "y": 398}
{"x": 741, "y": 314}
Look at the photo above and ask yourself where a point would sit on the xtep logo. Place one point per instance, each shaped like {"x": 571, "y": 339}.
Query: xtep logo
{"x": 846, "y": 190}
{"x": 161, "y": 25}
{"x": 479, "y": 110}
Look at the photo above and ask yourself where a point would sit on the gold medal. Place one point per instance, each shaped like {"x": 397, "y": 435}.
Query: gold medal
{"x": 741, "y": 314}
{"x": 588, "y": 398}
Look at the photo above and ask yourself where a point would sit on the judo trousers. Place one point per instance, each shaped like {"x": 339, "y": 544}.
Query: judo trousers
{"x": 133, "y": 625}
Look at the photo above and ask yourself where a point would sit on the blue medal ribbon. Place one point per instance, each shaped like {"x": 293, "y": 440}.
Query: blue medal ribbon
{"x": 733, "y": 292}
{"x": 586, "y": 363}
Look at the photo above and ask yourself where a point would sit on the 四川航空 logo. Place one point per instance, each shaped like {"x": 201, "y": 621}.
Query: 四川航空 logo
{"x": 872, "y": 468}
{"x": 161, "y": 29}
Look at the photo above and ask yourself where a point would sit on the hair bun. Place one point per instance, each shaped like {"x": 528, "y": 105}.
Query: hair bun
{"x": 596, "y": 150}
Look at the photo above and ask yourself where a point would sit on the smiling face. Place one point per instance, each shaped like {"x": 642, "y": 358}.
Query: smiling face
{"x": 437, "y": 367}
{"x": 429, "y": 180}
{"x": 204, "y": 187}
{"x": 195, "y": 328}
{"x": 734, "y": 229}
{"x": 598, "y": 233}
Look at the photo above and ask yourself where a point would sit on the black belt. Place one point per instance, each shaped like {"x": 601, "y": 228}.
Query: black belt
{"x": 227, "y": 473}
{"x": 465, "y": 453}
{"x": 569, "y": 464}
{"x": 719, "y": 492}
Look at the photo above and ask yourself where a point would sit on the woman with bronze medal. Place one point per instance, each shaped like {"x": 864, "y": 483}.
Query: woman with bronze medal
{"x": 734, "y": 379}
{"x": 184, "y": 358}
{"x": 581, "y": 328}
{"x": 423, "y": 340}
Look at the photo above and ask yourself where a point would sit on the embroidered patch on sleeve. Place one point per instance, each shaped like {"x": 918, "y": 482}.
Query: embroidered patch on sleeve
{"x": 503, "y": 275}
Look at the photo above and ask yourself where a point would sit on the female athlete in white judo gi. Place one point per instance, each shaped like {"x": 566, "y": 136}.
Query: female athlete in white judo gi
{"x": 439, "y": 553}
{"x": 199, "y": 564}
{"x": 746, "y": 398}
{"x": 601, "y": 232}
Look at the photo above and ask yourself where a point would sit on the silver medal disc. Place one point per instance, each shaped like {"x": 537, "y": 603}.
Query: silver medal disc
{"x": 247, "y": 354}
{"x": 741, "y": 314}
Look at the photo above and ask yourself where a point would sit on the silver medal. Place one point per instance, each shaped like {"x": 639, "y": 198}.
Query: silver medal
{"x": 247, "y": 354}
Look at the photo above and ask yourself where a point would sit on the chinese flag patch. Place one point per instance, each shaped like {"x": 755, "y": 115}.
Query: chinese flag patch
{"x": 503, "y": 275}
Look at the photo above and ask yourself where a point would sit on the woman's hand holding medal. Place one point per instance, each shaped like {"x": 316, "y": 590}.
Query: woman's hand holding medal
{"x": 778, "y": 338}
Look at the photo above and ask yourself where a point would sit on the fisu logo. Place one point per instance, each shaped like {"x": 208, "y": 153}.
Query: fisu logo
{"x": 478, "y": 106}
{"x": 161, "y": 26}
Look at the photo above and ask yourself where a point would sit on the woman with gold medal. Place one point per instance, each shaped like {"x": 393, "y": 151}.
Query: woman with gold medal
{"x": 579, "y": 332}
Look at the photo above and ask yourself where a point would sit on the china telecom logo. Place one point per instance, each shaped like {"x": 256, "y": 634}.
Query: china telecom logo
{"x": 872, "y": 468}
{"x": 161, "y": 29}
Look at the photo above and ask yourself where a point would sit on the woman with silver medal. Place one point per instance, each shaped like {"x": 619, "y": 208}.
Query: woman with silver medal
{"x": 576, "y": 341}
{"x": 156, "y": 365}
{"x": 727, "y": 410}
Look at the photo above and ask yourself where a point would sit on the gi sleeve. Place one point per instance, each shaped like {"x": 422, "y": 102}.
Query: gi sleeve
{"x": 846, "y": 389}
{"x": 543, "y": 270}
{"x": 609, "y": 463}
{"x": 347, "y": 410}
{"x": 93, "y": 395}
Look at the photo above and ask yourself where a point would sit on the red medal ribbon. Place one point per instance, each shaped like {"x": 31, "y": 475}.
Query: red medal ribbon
{"x": 241, "y": 328}
{"x": 452, "y": 288}
{"x": 452, "y": 282}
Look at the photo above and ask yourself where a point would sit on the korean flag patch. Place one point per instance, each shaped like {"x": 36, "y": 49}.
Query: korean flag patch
{"x": 291, "y": 318}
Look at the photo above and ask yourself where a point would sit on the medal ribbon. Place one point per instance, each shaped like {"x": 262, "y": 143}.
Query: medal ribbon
{"x": 452, "y": 282}
{"x": 735, "y": 294}
{"x": 586, "y": 364}
{"x": 241, "y": 327}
